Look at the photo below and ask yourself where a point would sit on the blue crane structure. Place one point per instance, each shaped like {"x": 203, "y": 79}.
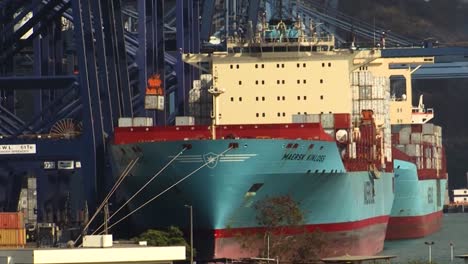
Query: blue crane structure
{"x": 69, "y": 69}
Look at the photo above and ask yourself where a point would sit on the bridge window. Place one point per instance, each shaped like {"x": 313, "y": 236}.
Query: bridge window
{"x": 398, "y": 88}
{"x": 321, "y": 80}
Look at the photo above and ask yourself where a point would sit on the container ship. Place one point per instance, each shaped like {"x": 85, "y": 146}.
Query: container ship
{"x": 420, "y": 172}
{"x": 272, "y": 117}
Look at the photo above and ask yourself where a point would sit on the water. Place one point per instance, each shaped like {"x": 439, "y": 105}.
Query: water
{"x": 454, "y": 229}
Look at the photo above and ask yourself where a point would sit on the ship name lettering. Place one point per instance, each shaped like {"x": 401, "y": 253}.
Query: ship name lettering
{"x": 311, "y": 157}
{"x": 291, "y": 156}
{"x": 316, "y": 158}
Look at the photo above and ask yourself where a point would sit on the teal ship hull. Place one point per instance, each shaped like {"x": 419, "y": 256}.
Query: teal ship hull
{"x": 223, "y": 179}
{"x": 418, "y": 205}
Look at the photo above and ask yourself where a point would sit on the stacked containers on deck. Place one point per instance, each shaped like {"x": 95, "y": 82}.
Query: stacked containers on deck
{"x": 422, "y": 142}
{"x": 12, "y": 231}
{"x": 200, "y": 100}
{"x": 373, "y": 93}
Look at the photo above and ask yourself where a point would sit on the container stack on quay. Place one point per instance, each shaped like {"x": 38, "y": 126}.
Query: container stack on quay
{"x": 373, "y": 93}
{"x": 422, "y": 142}
{"x": 12, "y": 231}
{"x": 200, "y": 100}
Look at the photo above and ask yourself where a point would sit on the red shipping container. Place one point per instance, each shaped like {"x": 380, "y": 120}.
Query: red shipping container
{"x": 342, "y": 121}
{"x": 416, "y": 128}
{"x": 13, "y": 220}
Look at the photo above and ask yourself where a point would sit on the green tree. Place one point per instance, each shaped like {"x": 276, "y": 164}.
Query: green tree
{"x": 173, "y": 236}
{"x": 283, "y": 234}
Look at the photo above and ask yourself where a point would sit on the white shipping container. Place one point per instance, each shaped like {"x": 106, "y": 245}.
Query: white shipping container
{"x": 206, "y": 79}
{"x": 194, "y": 95}
{"x": 460, "y": 199}
{"x": 151, "y": 102}
{"x": 404, "y": 138}
{"x": 428, "y": 129}
{"x": 415, "y": 138}
{"x": 328, "y": 121}
{"x": 142, "y": 121}
{"x": 438, "y": 130}
{"x": 355, "y": 92}
{"x": 460, "y": 192}
{"x": 354, "y": 150}
{"x": 125, "y": 122}
{"x": 196, "y": 84}
{"x": 184, "y": 121}
{"x": 428, "y": 139}
{"x": 428, "y": 163}
{"x": 413, "y": 150}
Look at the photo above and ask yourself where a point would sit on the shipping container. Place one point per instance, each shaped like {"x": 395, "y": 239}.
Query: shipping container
{"x": 142, "y": 121}
{"x": 311, "y": 118}
{"x": 413, "y": 150}
{"x": 196, "y": 84}
{"x": 125, "y": 122}
{"x": 194, "y": 96}
{"x": 184, "y": 121}
{"x": 428, "y": 129}
{"x": 428, "y": 139}
{"x": 404, "y": 137}
{"x": 342, "y": 121}
{"x": 438, "y": 130}
{"x": 13, "y": 220}
{"x": 416, "y": 138}
{"x": 416, "y": 128}
{"x": 12, "y": 237}
{"x": 327, "y": 121}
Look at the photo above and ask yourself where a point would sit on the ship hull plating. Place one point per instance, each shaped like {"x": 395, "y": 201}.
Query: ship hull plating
{"x": 351, "y": 208}
{"x": 417, "y": 209}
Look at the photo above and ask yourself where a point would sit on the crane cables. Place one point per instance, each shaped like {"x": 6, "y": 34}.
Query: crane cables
{"x": 143, "y": 187}
{"x": 122, "y": 176}
{"x": 166, "y": 190}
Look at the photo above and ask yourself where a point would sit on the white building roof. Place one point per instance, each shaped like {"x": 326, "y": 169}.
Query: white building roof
{"x": 92, "y": 255}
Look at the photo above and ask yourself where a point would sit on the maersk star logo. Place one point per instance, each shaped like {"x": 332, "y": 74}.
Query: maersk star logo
{"x": 211, "y": 159}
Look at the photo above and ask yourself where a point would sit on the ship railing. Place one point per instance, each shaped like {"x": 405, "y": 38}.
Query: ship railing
{"x": 321, "y": 43}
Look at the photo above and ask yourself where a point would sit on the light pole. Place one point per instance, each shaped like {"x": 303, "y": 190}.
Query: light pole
{"x": 430, "y": 252}
{"x": 451, "y": 251}
{"x": 191, "y": 232}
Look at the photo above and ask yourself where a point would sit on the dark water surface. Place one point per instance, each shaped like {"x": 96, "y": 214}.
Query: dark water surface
{"x": 454, "y": 229}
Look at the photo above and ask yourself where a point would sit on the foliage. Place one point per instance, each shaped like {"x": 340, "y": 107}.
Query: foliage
{"x": 283, "y": 234}
{"x": 173, "y": 236}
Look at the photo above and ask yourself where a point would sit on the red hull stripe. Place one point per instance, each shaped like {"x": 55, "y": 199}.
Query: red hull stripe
{"x": 312, "y": 131}
{"x": 413, "y": 226}
{"x": 332, "y": 227}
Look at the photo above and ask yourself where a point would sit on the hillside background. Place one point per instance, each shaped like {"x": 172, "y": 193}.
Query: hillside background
{"x": 446, "y": 21}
